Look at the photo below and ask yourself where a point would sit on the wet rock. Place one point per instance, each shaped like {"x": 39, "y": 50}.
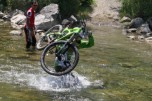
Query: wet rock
{"x": 16, "y": 32}
{"x": 131, "y": 30}
{"x": 103, "y": 65}
{"x": 126, "y": 65}
{"x": 148, "y": 34}
{"x": 141, "y": 37}
{"x": 16, "y": 26}
{"x": 148, "y": 40}
{"x": 1, "y": 20}
{"x": 98, "y": 84}
{"x": 132, "y": 37}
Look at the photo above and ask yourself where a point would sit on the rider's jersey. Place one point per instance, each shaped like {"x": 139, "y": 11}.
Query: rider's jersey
{"x": 31, "y": 16}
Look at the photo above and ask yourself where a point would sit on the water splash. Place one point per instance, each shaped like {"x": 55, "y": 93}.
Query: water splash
{"x": 61, "y": 83}
{"x": 43, "y": 81}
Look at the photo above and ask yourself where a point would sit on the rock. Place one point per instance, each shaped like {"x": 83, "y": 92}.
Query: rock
{"x": 148, "y": 40}
{"x": 18, "y": 19}
{"x": 131, "y": 30}
{"x": 52, "y": 9}
{"x": 143, "y": 29}
{"x": 47, "y": 17}
{"x": 98, "y": 84}
{"x": 1, "y": 14}
{"x": 6, "y": 17}
{"x": 1, "y": 20}
{"x": 16, "y": 32}
{"x": 149, "y": 34}
{"x": 125, "y": 19}
{"x": 141, "y": 37}
{"x": 126, "y": 65}
{"x": 16, "y": 12}
{"x": 132, "y": 37}
{"x": 16, "y": 26}
{"x": 42, "y": 23}
{"x": 137, "y": 22}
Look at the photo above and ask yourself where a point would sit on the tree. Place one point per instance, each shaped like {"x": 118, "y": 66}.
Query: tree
{"x": 3, "y": 4}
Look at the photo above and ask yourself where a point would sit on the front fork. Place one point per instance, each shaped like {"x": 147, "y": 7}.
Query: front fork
{"x": 63, "y": 49}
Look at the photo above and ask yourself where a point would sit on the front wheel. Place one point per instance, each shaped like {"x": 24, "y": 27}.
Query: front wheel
{"x": 58, "y": 59}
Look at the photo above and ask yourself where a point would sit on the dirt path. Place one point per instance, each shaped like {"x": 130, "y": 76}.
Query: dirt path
{"x": 106, "y": 10}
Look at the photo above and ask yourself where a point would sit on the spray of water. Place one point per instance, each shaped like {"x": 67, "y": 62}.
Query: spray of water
{"x": 43, "y": 81}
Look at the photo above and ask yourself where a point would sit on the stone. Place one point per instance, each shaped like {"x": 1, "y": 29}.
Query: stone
{"x": 125, "y": 19}
{"x": 16, "y": 32}
{"x": 135, "y": 23}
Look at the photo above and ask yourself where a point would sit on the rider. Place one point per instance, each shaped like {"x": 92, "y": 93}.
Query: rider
{"x": 29, "y": 27}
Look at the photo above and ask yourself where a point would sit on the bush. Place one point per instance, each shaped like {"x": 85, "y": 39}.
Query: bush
{"x": 136, "y": 8}
{"x": 67, "y": 7}
{"x": 3, "y": 4}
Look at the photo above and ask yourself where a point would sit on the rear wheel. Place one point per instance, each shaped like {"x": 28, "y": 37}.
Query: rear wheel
{"x": 44, "y": 38}
{"x": 62, "y": 63}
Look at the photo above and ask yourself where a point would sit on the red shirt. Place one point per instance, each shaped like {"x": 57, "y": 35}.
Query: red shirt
{"x": 31, "y": 18}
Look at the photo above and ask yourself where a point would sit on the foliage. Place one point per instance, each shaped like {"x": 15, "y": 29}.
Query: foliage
{"x": 18, "y": 4}
{"x": 3, "y": 4}
{"x": 66, "y": 7}
{"x": 136, "y": 8}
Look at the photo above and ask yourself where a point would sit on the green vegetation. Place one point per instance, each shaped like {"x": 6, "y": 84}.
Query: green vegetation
{"x": 67, "y": 7}
{"x": 72, "y": 7}
{"x": 3, "y": 4}
{"x": 137, "y": 8}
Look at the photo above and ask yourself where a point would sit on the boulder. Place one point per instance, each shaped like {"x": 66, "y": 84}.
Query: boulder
{"x": 16, "y": 12}
{"x": 18, "y": 19}
{"x": 135, "y": 23}
{"x": 47, "y": 17}
{"x": 41, "y": 23}
{"x": 50, "y": 10}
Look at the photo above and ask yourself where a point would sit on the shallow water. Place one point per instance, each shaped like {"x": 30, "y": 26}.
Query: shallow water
{"x": 115, "y": 69}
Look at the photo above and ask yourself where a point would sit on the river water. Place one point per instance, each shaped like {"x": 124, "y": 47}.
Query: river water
{"x": 115, "y": 69}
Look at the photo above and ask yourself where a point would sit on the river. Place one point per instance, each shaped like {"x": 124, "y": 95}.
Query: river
{"x": 115, "y": 69}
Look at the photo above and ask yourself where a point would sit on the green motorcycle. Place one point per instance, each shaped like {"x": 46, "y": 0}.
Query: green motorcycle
{"x": 61, "y": 56}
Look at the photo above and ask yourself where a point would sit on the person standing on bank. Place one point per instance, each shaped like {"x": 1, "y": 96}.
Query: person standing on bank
{"x": 29, "y": 27}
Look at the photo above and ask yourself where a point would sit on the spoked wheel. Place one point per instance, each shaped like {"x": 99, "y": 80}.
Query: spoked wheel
{"x": 62, "y": 63}
{"x": 45, "y": 39}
